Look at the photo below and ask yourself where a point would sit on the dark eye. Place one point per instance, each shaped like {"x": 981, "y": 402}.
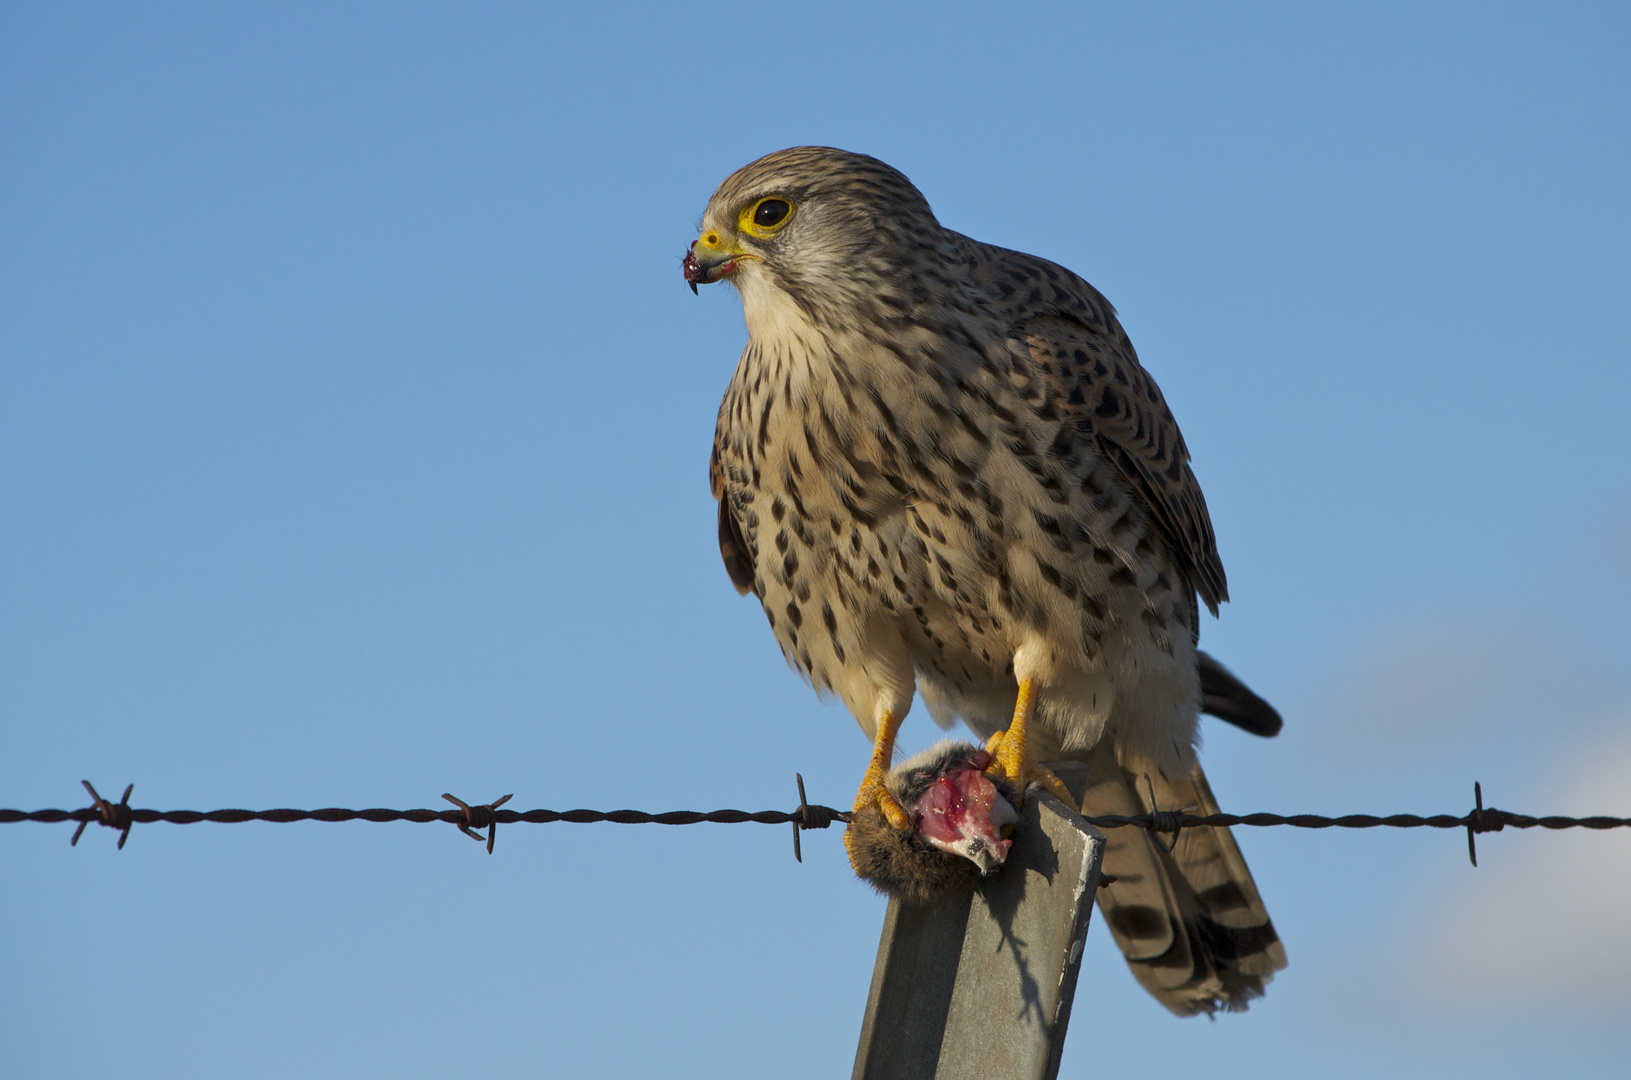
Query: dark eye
{"x": 770, "y": 213}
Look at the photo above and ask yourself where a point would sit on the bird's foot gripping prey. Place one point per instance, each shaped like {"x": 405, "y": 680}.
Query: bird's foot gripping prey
{"x": 874, "y": 795}
{"x": 933, "y": 824}
{"x": 1010, "y": 751}
{"x": 943, "y": 472}
{"x": 957, "y": 826}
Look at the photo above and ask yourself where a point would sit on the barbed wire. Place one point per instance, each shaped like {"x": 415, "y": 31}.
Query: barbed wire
{"x": 470, "y": 818}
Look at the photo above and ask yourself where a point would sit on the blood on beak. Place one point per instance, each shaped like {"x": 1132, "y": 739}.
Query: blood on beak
{"x": 692, "y": 268}
{"x": 713, "y": 264}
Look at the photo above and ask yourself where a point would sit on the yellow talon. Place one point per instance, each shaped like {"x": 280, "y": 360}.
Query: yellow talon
{"x": 1011, "y": 753}
{"x": 873, "y": 791}
{"x": 1054, "y": 786}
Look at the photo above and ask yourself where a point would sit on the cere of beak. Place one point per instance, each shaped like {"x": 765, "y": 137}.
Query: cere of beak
{"x": 962, "y": 813}
{"x": 699, "y": 272}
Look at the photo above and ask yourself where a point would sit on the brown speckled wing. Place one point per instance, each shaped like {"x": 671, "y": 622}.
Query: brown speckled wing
{"x": 1095, "y": 378}
{"x": 732, "y": 547}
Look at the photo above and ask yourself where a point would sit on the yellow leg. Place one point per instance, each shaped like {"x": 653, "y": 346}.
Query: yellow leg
{"x": 1011, "y": 752}
{"x": 872, "y": 789}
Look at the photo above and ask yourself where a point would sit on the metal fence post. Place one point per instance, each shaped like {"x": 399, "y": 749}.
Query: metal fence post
{"x": 979, "y": 987}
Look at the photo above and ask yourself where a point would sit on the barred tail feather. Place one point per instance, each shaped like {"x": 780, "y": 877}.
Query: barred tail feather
{"x": 1189, "y": 921}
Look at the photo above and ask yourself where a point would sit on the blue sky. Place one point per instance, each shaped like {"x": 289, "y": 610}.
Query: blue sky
{"x": 353, "y": 431}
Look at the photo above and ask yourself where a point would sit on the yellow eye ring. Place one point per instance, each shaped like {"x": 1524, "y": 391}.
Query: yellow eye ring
{"x": 765, "y": 216}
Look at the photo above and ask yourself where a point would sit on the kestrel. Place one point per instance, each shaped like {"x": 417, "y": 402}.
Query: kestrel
{"x": 942, "y": 470}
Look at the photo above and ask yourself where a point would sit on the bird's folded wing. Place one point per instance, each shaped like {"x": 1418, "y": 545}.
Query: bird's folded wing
{"x": 733, "y": 548}
{"x": 1096, "y": 380}
{"x": 1227, "y": 698}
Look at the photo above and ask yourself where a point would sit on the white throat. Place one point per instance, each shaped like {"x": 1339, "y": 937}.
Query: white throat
{"x": 773, "y": 318}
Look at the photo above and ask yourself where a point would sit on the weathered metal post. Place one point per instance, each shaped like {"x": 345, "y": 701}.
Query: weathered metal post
{"x": 980, "y": 986}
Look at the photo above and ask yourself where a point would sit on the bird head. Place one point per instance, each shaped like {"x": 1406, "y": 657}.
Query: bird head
{"x": 812, "y": 224}
{"x": 961, "y": 820}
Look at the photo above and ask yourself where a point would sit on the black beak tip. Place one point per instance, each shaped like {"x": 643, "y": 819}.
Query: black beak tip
{"x": 693, "y": 288}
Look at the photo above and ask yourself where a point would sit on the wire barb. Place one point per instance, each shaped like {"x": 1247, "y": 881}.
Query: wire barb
{"x": 1482, "y": 820}
{"x": 1171, "y": 821}
{"x": 478, "y": 817}
{"x": 811, "y": 817}
{"x": 113, "y": 815}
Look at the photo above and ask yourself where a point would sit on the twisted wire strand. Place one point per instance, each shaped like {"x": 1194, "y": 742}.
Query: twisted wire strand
{"x": 470, "y": 818}
{"x": 1487, "y": 820}
{"x": 454, "y": 817}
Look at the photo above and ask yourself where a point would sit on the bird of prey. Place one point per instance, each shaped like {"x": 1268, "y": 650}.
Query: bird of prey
{"x": 941, "y": 469}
